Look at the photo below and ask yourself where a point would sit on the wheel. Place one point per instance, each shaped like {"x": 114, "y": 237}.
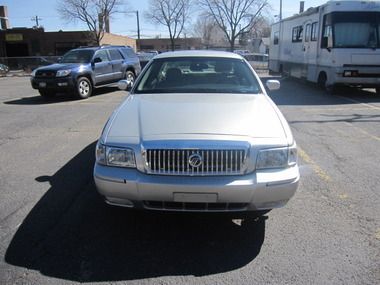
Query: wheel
{"x": 281, "y": 70}
{"x": 46, "y": 93}
{"x": 84, "y": 88}
{"x": 322, "y": 83}
{"x": 322, "y": 79}
{"x": 130, "y": 77}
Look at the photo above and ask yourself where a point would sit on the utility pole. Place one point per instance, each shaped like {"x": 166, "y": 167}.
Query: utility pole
{"x": 280, "y": 33}
{"x": 138, "y": 22}
{"x": 36, "y": 19}
{"x": 138, "y": 25}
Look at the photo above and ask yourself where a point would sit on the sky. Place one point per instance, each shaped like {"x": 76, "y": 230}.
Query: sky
{"x": 20, "y": 13}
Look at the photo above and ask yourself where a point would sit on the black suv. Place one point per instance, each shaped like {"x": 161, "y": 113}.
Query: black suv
{"x": 82, "y": 69}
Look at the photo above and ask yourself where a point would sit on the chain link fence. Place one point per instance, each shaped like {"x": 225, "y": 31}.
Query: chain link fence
{"x": 27, "y": 64}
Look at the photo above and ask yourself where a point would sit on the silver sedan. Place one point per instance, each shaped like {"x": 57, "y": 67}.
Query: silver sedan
{"x": 197, "y": 133}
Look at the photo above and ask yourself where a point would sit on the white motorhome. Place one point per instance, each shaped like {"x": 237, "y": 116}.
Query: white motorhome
{"x": 335, "y": 44}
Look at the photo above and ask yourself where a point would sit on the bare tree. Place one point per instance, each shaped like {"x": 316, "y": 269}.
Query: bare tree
{"x": 205, "y": 28}
{"x": 94, "y": 13}
{"x": 234, "y": 17}
{"x": 170, "y": 13}
{"x": 261, "y": 28}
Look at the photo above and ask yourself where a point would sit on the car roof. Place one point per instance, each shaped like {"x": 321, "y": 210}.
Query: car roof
{"x": 101, "y": 47}
{"x": 198, "y": 53}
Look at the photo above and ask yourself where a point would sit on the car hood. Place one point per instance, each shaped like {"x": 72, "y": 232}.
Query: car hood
{"x": 151, "y": 115}
{"x": 60, "y": 66}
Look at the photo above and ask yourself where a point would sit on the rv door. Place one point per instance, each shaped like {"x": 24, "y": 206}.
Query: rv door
{"x": 306, "y": 49}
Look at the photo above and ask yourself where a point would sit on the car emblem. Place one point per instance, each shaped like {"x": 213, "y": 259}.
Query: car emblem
{"x": 195, "y": 160}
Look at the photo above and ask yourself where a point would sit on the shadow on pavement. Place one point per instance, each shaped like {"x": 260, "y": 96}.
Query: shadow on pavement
{"x": 72, "y": 234}
{"x": 334, "y": 118}
{"x": 299, "y": 92}
{"x": 59, "y": 98}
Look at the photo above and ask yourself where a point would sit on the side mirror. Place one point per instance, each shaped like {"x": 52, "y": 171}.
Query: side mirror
{"x": 330, "y": 42}
{"x": 273, "y": 85}
{"x": 327, "y": 43}
{"x": 124, "y": 85}
{"x": 97, "y": 60}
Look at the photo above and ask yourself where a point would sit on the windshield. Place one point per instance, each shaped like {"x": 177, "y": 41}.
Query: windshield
{"x": 198, "y": 75}
{"x": 77, "y": 56}
{"x": 356, "y": 29}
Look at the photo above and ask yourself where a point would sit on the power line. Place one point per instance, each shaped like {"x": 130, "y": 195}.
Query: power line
{"x": 36, "y": 19}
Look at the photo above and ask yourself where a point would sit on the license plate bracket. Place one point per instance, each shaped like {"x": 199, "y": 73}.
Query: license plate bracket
{"x": 195, "y": 197}
{"x": 42, "y": 84}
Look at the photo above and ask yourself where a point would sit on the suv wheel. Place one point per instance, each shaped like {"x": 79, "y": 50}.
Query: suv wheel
{"x": 84, "y": 88}
{"x": 130, "y": 77}
{"x": 47, "y": 93}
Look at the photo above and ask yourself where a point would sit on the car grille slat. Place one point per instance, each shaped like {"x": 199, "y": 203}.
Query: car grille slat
{"x": 213, "y": 162}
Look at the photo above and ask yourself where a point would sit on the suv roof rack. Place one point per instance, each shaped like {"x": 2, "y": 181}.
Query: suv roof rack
{"x": 105, "y": 46}
{"x": 87, "y": 47}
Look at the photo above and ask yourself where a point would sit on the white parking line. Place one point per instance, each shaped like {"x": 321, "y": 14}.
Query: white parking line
{"x": 363, "y": 131}
{"x": 361, "y": 103}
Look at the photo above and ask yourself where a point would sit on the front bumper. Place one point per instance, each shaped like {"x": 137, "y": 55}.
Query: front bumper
{"x": 365, "y": 76}
{"x": 56, "y": 83}
{"x": 260, "y": 190}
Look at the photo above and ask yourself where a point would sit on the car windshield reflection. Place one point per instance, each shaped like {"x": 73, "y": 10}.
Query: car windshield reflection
{"x": 198, "y": 75}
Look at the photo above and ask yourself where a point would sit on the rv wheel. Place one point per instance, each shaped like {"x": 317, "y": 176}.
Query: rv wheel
{"x": 322, "y": 79}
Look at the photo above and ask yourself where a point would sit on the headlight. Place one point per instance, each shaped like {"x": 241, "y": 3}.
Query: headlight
{"x": 277, "y": 158}
{"x": 62, "y": 73}
{"x": 113, "y": 156}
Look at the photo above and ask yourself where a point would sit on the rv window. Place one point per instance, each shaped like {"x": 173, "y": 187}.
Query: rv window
{"x": 378, "y": 28}
{"x": 307, "y": 32}
{"x": 297, "y": 34}
{"x": 314, "y": 32}
{"x": 356, "y": 30}
{"x": 326, "y": 35}
{"x": 275, "y": 38}
{"x": 327, "y": 31}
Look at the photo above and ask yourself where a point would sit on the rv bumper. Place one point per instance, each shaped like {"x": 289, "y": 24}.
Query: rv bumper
{"x": 358, "y": 76}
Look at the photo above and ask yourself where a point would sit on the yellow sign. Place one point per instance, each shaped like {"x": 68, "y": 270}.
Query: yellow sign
{"x": 13, "y": 37}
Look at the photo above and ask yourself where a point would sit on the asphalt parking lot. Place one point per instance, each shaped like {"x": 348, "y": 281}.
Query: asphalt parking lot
{"x": 55, "y": 229}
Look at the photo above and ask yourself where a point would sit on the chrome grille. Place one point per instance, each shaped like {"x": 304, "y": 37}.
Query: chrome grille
{"x": 214, "y": 161}
{"x": 45, "y": 73}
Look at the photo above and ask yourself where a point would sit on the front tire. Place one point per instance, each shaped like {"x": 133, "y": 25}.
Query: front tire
{"x": 130, "y": 77}
{"x": 84, "y": 88}
{"x": 322, "y": 83}
{"x": 46, "y": 93}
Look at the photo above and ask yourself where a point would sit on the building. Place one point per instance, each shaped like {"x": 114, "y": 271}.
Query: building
{"x": 25, "y": 42}
{"x": 164, "y": 44}
{"x": 22, "y": 42}
{"x": 260, "y": 45}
